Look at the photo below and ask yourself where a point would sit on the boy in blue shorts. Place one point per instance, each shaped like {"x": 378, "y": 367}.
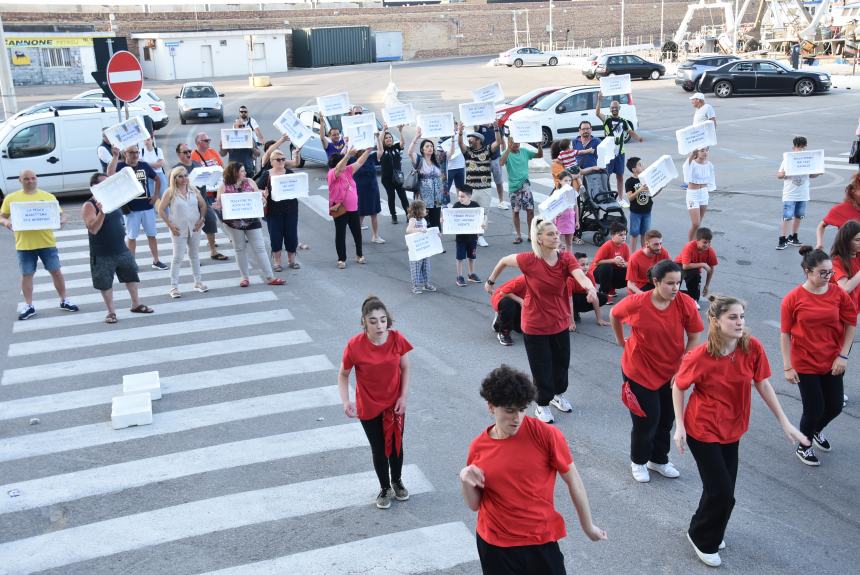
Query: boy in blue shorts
{"x": 641, "y": 202}
{"x": 795, "y": 195}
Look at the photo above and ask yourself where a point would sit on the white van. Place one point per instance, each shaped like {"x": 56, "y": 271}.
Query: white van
{"x": 60, "y": 146}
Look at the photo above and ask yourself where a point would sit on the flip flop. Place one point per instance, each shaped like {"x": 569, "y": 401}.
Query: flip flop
{"x": 518, "y": 241}
{"x": 278, "y": 268}
{"x": 142, "y": 309}
{"x": 218, "y": 256}
{"x": 304, "y": 246}
{"x": 276, "y": 282}
{"x": 295, "y": 266}
{"x": 110, "y": 318}
{"x": 244, "y": 283}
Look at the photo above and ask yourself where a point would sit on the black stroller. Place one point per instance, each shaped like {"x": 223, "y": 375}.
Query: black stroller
{"x": 598, "y": 207}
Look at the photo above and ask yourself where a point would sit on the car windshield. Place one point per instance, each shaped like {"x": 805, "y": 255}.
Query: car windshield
{"x": 526, "y": 98}
{"x": 199, "y": 92}
{"x": 548, "y": 101}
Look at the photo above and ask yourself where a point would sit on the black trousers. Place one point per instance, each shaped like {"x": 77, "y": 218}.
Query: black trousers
{"x": 693, "y": 281}
{"x": 609, "y": 277}
{"x": 394, "y": 192}
{"x": 434, "y": 215}
{"x": 549, "y": 361}
{"x": 649, "y": 438}
{"x": 387, "y": 469}
{"x": 543, "y": 559}
{"x": 822, "y": 401}
{"x": 718, "y": 469}
{"x": 509, "y": 316}
{"x": 581, "y": 305}
{"x": 340, "y": 224}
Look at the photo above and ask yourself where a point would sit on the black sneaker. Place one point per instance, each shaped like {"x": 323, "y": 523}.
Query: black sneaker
{"x": 806, "y": 455}
{"x": 792, "y": 240}
{"x": 383, "y": 500}
{"x": 68, "y": 306}
{"x": 473, "y": 278}
{"x": 393, "y": 219}
{"x": 160, "y": 266}
{"x": 27, "y": 313}
{"x": 505, "y": 338}
{"x": 576, "y": 317}
{"x": 400, "y": 492}
{"x": 820, "y": 441}
{"x": 783, "y": 243}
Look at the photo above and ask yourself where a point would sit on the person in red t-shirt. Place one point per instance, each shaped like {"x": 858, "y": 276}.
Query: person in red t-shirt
{"x": 718, "y": 415}
{"x": 580, "y": 295}
{"x": 507, "y": 301}
{"x": 849, "y": 209}
{"x": 378, "y": 354}
{"x": 638, "y": 278}
{"x": 509, "y": 479}
{"x": 697, "y": 256}
{"x": 845, "y": 255}
{"x": 546, "y": 312}
{"x": 818, "y": 322}
{"x": 658, "y": 321}
{"x": 610, "y": 261}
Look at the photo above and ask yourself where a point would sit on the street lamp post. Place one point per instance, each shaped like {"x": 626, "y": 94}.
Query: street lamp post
{"x": 661, "y": 24}
{"x": 550, "y": 25}
{"x": 621, "y": 44}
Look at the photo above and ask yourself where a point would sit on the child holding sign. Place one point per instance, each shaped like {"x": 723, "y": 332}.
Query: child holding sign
{"x": 467, "y": 244}
{"x": 568, "y": 220}
{"x": 795, "y": 195}
{"x": 420, "y": 270}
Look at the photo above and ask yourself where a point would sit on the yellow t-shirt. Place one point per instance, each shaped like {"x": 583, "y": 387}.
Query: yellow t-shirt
{"x": 31, "y": 239}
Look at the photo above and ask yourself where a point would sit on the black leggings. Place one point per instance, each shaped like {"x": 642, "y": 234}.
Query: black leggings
{"x": 693, "y": 279}
{"x": 394, "y": 191}
{"x": 649, "y": 438}
{"x": 822, "y": 401}
{"x": 510, "y": 313}
{"x": 610, "y": 276}
{"x": 718, "y": 469}
{"x": 581, "y": 305}
{"x": 543, "y": 559}
{"x": 549, "y": 361}
{"x": 382, "y": 464}
{"x": 348, "y": 219}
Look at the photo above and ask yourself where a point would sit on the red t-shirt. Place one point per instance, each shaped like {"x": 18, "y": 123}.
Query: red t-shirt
{"x": 546, "y": 307}
{"x": 841, "y": 213}
{"x": 610, "y": 250}
{"x": 719, "y": 407}
{"x": 816, "y": 325}
{"x": 656, "y": 344}
{"x": 841, "y": 273}
{"x": 519, "y": 481}
{"x": 640, "y": 263}
{"x": 377, "y": 372}
{"x": 573, "y": 286}
{"x": 691, "y": 254}
{"x": 516, "y": 286}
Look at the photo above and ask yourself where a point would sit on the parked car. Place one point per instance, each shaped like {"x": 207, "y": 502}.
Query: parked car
{"x": 504, "y": 111}
{"x": 762, "y": 77}
{"x": 691, "y": 71}
{"x": 56, "y": 106}
{"x": 148, "y": 100}
{"x": 525, "y": 56}
{"x": 200, "y": 101}
{"x": 561, "y": 112}
{"x": 637, "y": 67}
{"x": 590, "y": 66}
{"x": 313, "y": 151}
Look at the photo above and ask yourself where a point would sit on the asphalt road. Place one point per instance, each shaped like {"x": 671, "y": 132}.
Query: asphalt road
{"x": 139, "y": 501}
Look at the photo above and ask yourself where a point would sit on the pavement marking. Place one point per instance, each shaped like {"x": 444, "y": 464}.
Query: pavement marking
{"x": 142, "y": 243}
{"x": 142, "y": 260}
{"x": 83, "y": 231}
{"x": 97, "y": 434}
{"x": 170, "y": 307}
{"x": 46, "y": 285}
{"x": 161, "y": 330}
{"x": 839, "y": 159}
{"x": 113, "y": 478}
{"x": 318, "y": 204}
{"x": 139, "y": 358}
{"x": 845, "y": 167}
{"x": 141, "y": 530}
{"x": 414, "y": 551}
{"x": 759, "y": 225}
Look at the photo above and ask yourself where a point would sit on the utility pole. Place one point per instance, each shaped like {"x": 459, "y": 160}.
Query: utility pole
{"x": 7, "y": 89}
{"x": 621, "y": 44}
{"x": 549, "y": 28}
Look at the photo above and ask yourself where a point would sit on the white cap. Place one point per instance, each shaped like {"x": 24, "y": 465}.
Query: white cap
{"x": 698, "y": 96}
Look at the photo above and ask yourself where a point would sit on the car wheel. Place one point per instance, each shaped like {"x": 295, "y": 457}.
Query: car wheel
{"x": 221, "y": 119}
{"x": 509, "y": 65}
{"x": 655, "y": 74}
{"x": 546, "y": 142}
{"x": 518, "y": 63}
{"x": 688, "y": 86}
{"x": 804, "y": 87}
{"x": 182, "y": 120}
{"x": 598, "y": 239}
{"x": 590, "y": 76}
{"x": 723, "y": 89}
{"x": 553, "y": 61}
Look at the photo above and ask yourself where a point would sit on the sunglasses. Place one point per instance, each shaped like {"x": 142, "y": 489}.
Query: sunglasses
{"x": 185, "y": 152}
{"x": 206, "y": 140}
{"x": 243, "y": 111}
{"x": 181, "y": 175}
{"x": 279, "y": 159}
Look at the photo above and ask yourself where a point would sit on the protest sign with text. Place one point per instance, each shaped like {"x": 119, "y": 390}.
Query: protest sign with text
{"x": 206, "y": 176}
{"x": 237, "y": 138}
{"x": 462, "y": 221}
{"x": 489, "y": 93}
{"x": 561, "y": 199}
{"x": 28, "y": 216}
{"x": 802, "y": 163}
{"x": 129, "y": 133}
{"x": 525, "y": 131}
{"x": 659, "y": 174}
{"x": 290, "y": 125}
{"x": 242, "y": 206}
{"x": 118, "y": 190}
{"x": 360, "y": 130}
{"x": 477, "y": 113}
{"x": 423, "y": 245}
{"x": 334, "y": 104}
{"x": 403, "y": 115}
{"x": 696, "y": 137}
{"x": 606, "y": 150}
{"x": 615, "y": 85}
{"x": 289, "y": 186}
{"x": 436, "y": 125}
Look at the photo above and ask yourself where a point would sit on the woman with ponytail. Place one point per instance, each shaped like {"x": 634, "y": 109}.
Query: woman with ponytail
{"x": 722, "y": 371}
{"x": 846, "y": 260}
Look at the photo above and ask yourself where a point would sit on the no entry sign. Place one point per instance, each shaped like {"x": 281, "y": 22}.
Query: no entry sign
{"x": 124, "y": 76}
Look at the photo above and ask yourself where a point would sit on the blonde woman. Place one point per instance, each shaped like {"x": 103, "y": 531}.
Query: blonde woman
{"x": 187, "y": 211}
{"x": 701, "y": 180}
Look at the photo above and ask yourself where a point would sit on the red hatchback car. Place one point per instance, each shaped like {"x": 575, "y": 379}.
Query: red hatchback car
{"x": 504, "y": 111}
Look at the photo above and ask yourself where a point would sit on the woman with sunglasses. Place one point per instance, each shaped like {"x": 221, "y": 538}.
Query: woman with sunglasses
{"x": 818, "y": 324}
{"x": 282, "y": 217}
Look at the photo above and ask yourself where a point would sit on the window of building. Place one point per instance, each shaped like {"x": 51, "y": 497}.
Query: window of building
{"x": 57, "y": 57}
{"x": 147, "y": 54}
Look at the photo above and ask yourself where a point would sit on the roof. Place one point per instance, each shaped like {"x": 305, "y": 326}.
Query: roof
{"x": 187, "y": 34}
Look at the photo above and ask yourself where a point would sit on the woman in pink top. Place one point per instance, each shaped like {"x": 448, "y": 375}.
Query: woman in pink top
{"x": 342, "y": 192}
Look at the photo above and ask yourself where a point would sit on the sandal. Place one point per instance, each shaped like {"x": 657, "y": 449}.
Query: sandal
{"x": 244, "y": 283}
{"x": 110, "y": 318}
{"x": 518, "y": 240}
{"x": 218, "y": 256}
{"x": 276, "y": 282}
{"x": 142, "y": 309}
{"x": 278, "y": 268}
{"x": 304, "y": 246}
{"x": 294, "y": 266}
{"x": 578, "y": 241}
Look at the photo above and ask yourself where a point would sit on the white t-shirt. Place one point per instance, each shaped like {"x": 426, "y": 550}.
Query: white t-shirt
{"x": 794, "y": 188}
{"x": 706, "y": 112}
{"x": 152, "y": 156}
{"x": 696, "y": 173}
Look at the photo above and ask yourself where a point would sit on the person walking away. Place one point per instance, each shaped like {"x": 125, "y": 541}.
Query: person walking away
{"x": 795, "y": 197}
{"x": 183, "y": 209}
{"x": 419, "y": 271}
{"x": 516, "y": 160}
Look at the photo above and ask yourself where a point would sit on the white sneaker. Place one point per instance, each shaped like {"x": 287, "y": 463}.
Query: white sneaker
{"x": 544, "y": 414}
{"x": 377, "y": 240}
{"x": 664, "y": 469}
{"x": 709, "y": 559}
{"x": 482, "y": 242}
{"x": 722, "y": 544}
{"x": 504, "y": 206}
{"x": 624, "y": 202}
{"x": 561, "y": 403}
{"x": 640, "y": 473}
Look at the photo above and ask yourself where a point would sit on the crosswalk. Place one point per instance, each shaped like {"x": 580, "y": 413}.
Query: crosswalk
{"x": 249, "y": 434}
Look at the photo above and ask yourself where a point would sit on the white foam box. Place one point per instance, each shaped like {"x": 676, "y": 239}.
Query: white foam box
{"x": 142, "y": 382}
{"x": 130, "y": 410}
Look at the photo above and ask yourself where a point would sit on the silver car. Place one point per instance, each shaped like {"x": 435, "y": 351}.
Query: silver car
{"x": 200, "y": 101}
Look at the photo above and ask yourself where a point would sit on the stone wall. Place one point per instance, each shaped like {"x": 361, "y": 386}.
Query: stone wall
{"x": 36, "y": 73}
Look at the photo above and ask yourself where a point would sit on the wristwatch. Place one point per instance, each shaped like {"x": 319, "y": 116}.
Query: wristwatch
{"x": 490, "y": 282}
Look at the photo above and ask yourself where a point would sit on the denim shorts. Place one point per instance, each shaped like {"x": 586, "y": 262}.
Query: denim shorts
{"x": 496, "y": 169}
{"x": 616, "y": 165}
{"x": 791, "y": 210}
{"x": 467, "y": 249}
{"x": 27, "y": 260}
{"x": 133, "y": 221}
{"x": 639, "y": 224}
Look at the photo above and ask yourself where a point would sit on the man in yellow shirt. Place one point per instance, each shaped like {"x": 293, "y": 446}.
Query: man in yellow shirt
{"x": 34, "y": 245}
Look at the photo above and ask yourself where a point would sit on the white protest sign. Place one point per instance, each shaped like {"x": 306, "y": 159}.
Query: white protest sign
{"x": 27, "y": 216}
{"x": 805, "y": 162}
{"x": 525, "y": 131}
{"x": 615, "y": 85}
{"x": 477, "y": 113}
{"x": 206, "y": 176}
{"x": 462, "y": 221}
{"x": 403, "y": 115}
{"x": 436, "y": 125}
{"x": 118, "y": 190}
{"x": 334, "y": 104}
{"x": 605, "y": 152}
{"x": 360, "y": 130}
{"x": 289, "y": 186}
{"x": 658, "y": 175}
{"x": 423, "y": 245}
{"x": 237, "y": 138}
{"x": 242, "y": 206}
{"x": 489, "y": 93}
{"x": 128, "y": 133}
{"x": 696, "y": 137}
{"x": 290, "y": 125}
{"x": 561, "y": 199}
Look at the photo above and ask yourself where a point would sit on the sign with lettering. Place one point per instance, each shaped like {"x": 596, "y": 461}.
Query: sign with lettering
{"x": 658, "y": 175}
{"x": 423, "y": 245}
{"x": 334, "y": 104}
{"x": 242, "y": 206}
{"x": 489, "y": 93}
{"x": 477, "y": 113}
{"x": 206, "y": 176}
{"x": 403, "y": 115}
{"x": 525, "y": 131}
{"x": 28, "y": 216}
{"x": 615, "y": 85}
{"x": 462, "y": 221}
{"x": 360, "y": 130}
{"x": 118, "y": 190}
{"x": 289, "y": 186}
{"x": 696, "y": 137}
{"x": 237, "y": 138}
{"x": 564, "y": 198}
{"x": 289, "y": 124}
{"x": 436, "y": 125}
{"x": 606, "y": 150}
{"x": 802, "y": 163}
{"x": 129, "y": 133}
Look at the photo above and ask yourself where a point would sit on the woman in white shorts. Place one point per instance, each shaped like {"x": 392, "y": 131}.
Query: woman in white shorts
{"x": 700, "y": 178}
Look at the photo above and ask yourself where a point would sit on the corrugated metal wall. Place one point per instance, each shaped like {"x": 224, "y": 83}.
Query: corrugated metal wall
{"x": 338, "y": 46}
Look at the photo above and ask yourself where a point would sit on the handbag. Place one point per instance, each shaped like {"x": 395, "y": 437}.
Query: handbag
{"x": 854, "y": 158}
{"x": 337, "y": 210}
{"x": 397, "y": 177}
{"x": 411, "y": 182}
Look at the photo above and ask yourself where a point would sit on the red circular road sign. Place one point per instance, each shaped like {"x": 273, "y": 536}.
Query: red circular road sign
{"x": 124, "y": 76}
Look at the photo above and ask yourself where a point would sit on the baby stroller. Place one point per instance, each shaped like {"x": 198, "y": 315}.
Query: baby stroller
{"x": 598, "y": 207}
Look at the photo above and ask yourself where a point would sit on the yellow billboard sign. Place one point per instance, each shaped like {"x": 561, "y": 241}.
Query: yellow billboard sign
{"x": 48, "y": 42}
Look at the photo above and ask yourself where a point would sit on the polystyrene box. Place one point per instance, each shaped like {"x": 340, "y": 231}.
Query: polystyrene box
{"x": 129, "y": 410}
{"x": 142, "y": 382}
